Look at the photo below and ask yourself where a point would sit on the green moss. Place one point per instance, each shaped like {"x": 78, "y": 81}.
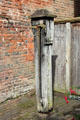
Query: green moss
{"x": 60, "y": 90}
{"x": 27, "y": 115}
{"x": 71, "y": 20}
{"x": 20, "y": 118}
{"x": 26, "y": 104}
{"x": 50, "y": 104}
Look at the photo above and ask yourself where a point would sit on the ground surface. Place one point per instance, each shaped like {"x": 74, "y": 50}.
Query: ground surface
{"x": 24, "y": 108}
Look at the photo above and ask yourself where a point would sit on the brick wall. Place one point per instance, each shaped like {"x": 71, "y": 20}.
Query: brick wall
{"x": 63, "y": 8}
{"x": 17, "y": 45}
{"x": 16, "y": 50}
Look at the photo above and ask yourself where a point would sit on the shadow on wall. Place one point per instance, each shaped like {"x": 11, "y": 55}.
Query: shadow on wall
{"x": 77, "y": 8}
{"x": 54, "y": 57}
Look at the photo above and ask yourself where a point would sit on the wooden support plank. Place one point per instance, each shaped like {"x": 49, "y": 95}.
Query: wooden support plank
{"x": 67, "y": 20}
{"x": 46, "y": 68}
{"x": 36, "y": 33}
{"x": 68, "y": 55}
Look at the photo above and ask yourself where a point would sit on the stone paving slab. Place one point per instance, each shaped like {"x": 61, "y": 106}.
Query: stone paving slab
{"x": 24, "y": 108}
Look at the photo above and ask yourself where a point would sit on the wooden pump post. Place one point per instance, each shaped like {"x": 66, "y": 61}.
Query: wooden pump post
{"x": 43, "y": 29}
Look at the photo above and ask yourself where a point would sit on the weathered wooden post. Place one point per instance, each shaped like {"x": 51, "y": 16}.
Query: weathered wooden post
{"x": 43, "y": 30}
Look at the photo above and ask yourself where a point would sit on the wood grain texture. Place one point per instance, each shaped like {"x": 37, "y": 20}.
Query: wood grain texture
{"x": 68, "y": 55}
{"x": 75, "y": 56}
{"x": 59, "y": 49}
